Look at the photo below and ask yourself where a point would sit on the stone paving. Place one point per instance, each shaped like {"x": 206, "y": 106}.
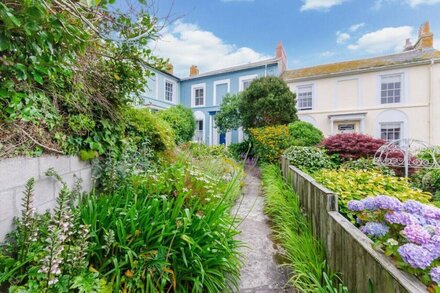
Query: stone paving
{"x": 261, "y": 273}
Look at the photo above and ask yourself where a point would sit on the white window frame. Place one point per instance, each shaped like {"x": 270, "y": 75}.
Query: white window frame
{"x": 242, "y": 79}
{"x": 220, "y": 82}
{"x": 174, "y": 93}
{"x": 312, "y": 87}
{"x": 402, "y": 87}
{"x": 402, "y": 131}
{"x": 193, "y": 94}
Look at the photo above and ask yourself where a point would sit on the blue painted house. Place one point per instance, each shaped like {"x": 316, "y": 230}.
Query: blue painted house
{"x": 204, "y": 92}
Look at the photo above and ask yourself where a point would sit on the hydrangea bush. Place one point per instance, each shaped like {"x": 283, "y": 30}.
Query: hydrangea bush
{"x": 407, "y": 231}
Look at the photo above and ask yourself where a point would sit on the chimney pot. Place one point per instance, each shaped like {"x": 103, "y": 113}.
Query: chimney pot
{"x": 193, "y": 71}
{"x": 170, "y": 68}
{"x": 426, "y": 37}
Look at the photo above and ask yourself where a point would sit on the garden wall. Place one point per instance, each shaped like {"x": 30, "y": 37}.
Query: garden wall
{"x": 15, "y": 172}
{"x": 349, "y": 251}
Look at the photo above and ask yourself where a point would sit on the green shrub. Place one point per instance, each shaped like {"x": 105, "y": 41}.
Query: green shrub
{"x": 182, "y": 120}
{"x": 308, "y": 159}
{"x": 169, "y": 231}
{"x": 269, "y": 142}
{"x": 305, "y": 255}
{"x": 143, "y": 125}
{"x": 304, "y": 134}
{"x": 366, "y": 164}
{"x": 199, "y": 150}
{"x": 358, "y": 184}
{"x": 431, "y": 182}
{"x": 268, "y": 101}
{"x": 240, "y": 150}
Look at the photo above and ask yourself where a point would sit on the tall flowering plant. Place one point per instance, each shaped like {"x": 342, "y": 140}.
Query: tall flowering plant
{"x": 407, "y": 231}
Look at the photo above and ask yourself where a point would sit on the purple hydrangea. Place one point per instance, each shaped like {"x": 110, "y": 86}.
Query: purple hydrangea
{"x": 435, "y": 275}
{"x": 433, "y": 249}
{"x": 413, "y": 207}
{"x": 355, "y": 205}
{"x": 369, "y": 203}
{"x": 401, "y": 218}
{"x": 375, "y": 229}
{"x": 388, "y": 203}
{"x": 435, "y": 240}
{"x": 432, "y": 212}
{"x": 415, "y": 255}
{"x": 416, "y": 234}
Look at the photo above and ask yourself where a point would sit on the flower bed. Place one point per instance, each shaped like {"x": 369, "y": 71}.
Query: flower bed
{"x": 407, "y": 231}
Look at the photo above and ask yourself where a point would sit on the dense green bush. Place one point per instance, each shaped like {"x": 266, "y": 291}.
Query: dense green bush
{"x": 269, "y": 142}
{"x": 240, "y": 150}
{"x": 309, "y": 159}
{"x": 229, "y": 117}
{"x": 366, "y": 164}
{"x": 182, "y": 120}
{"x": 304, "y": 255}
{"x": 64, "y": 79}
{"x": 359, "y": 184}
{"x": 267, "y": 101}
{"x": 304, "y": 134}
{"x": 162, "y": 230}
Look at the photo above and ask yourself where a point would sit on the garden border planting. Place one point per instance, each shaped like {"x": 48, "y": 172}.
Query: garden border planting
{"x": 349, "y": 251}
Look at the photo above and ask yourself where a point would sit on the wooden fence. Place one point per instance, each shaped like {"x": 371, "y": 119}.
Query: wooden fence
{"x": 349, "y": 251}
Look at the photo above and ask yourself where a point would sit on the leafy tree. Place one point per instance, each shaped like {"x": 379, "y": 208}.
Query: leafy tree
{"x": 64, "y": 78}
{"x": 268, "y": 101}
{"x": 304, "y": 134}
{"x": 229, "y": 118}
{"x": 182, "y": 120}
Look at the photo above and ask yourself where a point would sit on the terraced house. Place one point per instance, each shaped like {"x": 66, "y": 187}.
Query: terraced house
{"x": 393, "y": 97}
{"x": 204, "y": 92}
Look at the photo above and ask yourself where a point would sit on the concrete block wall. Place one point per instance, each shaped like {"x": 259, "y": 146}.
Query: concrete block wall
{"x": 15, "y": 172}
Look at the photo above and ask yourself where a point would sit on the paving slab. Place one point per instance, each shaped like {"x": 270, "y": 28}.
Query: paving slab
{"x": 261, "y": 273}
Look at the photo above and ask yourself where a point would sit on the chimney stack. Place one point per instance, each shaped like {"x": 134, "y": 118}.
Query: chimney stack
{"x": 170, "y": 68}
{"x": 281, "y": 55}
{"x": 426, "y": 37}
{"x": 193, "y": 71}
{"x": 408, "y": 45}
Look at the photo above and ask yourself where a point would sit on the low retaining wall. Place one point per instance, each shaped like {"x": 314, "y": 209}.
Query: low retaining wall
{"x": 349, "y": 251}
{"x": 15, "y": 172}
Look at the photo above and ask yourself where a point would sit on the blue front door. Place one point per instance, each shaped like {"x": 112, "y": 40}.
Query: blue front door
{"x": 222, "y": 138}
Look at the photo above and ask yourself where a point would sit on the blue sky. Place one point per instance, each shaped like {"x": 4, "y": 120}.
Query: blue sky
{"x": 218, "y": 33}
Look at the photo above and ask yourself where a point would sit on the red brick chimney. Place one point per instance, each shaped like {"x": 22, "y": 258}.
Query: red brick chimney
{"x": 193, "y": 71}
{"x": 426, "y": 37}
{"x": 281, "y": 54}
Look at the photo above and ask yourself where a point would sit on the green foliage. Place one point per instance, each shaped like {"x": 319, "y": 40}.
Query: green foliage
{"x": 309, "y": 159}
{"x": 64, "y": 80}
{"x": 169, "y": 230}
{"x": 229, "y": 118}
{"x": 366, "y": 164}
{"x": 305, "y": 134}
{"x": 269, "y": 142}
{"x": 198, "y": 150}
{"x": 142, "y": 125}
{"x": 267, "y": 101}
{"x": 358, "y": 184}
{"x": 241, "y": 150}
{"x": 182, "y": 120}
{"x": 304, "y": 254}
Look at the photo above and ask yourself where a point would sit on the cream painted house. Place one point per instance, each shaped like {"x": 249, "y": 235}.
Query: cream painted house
{"x": 393, "y": 97}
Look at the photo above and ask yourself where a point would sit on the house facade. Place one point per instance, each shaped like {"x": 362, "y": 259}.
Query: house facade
{"x": 204, "y": 92}
{"x": 391, "y": 97}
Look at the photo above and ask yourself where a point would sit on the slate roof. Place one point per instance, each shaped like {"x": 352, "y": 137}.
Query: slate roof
{"x": 355, "y": 65}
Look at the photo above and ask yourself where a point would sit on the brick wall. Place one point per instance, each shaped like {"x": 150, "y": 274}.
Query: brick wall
{"x": 15, "y": 172}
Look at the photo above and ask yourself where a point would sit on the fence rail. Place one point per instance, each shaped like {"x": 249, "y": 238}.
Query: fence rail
{"x": 349, "y": 251}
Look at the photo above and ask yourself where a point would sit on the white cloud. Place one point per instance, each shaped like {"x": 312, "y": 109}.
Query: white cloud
{"x": 383, "y": 40}
{"x": 342, "y": 38}
{"x": 186, "y": 44}
{"x": 357, "y": 26}
{"x": 320, "y": 4}
{"x": 414, "y": 3}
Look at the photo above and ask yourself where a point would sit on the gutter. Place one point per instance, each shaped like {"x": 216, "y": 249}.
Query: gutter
{"x": 358, "y": 71}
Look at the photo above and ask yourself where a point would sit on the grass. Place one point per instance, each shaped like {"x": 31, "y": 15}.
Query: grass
{"x": 305, "y": 256}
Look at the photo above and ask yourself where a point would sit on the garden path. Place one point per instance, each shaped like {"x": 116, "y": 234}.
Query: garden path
{"x": 261, "y": 272}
